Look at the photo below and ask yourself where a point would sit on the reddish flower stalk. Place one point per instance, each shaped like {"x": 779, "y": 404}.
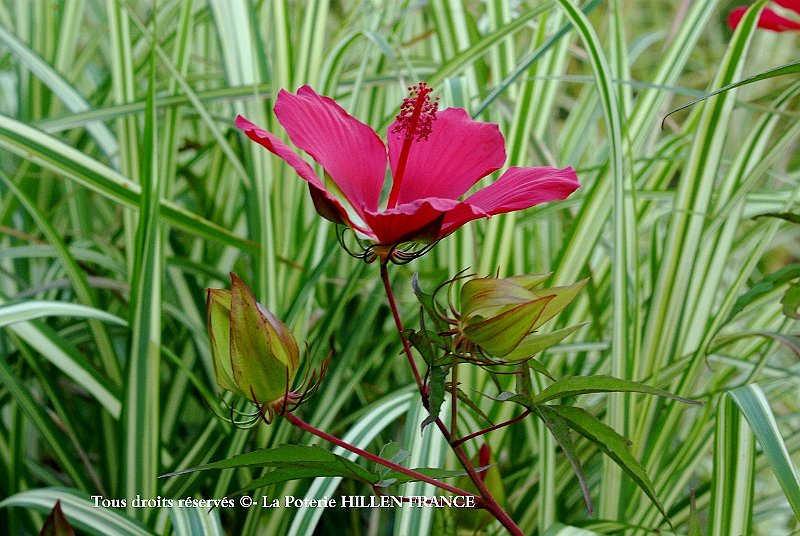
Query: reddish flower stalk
{"x": 490, "y": 503}
{"x": 492, "y": 428}
{"x": 303, "y": 425}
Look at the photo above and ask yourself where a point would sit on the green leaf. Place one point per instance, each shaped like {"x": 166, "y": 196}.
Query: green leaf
{"x": 436, "y": 395}
{"x": 428, "y": 303}
{"x": 290, "y": 457}
{"x": 613, "y": 444}
{"x": 763, "y": 287}
{"x": 783, "y": 70}
{"x": 792, "y": 217}
{"x": 29, "y": 310}
{"x": 561, "y": 432}
{"x": 579, "y": 385}
{"x": 756, "y": 409}
{"x": 432, "y": 472}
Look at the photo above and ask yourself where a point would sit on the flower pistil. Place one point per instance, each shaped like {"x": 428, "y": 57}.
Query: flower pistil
{"x": 417, "y": 114}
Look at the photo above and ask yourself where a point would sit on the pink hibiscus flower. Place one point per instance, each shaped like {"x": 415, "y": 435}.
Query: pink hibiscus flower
{"x": 435, "y": 157}
{"x": 769, "y": 19}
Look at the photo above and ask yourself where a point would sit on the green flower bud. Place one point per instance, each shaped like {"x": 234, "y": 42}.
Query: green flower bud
{"x": 255, "y": 355}
{"x": 501, "y": 316}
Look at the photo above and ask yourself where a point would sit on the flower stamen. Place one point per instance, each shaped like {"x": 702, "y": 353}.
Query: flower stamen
{"x": 414, "y": 123}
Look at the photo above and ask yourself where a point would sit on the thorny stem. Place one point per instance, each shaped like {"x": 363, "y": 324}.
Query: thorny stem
{"x": 492, "y": 428}
{"x": 489, "y": 502}
{"x": 303, "y": 425}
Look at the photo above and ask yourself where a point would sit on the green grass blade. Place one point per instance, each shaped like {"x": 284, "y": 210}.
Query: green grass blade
{"x": 756, "y": 409}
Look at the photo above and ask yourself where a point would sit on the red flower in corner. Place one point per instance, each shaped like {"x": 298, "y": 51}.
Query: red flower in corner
{"x": 769, "y": 19}
{"x": 435, "y": 157}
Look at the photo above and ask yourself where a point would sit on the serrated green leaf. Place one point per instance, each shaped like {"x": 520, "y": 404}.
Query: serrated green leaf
{"x": 432, "y": 472}
{"x": 462, "y": 397}
{"x": 614, "y": 445}
{"x": 436, "y": 382}
{"x": 428, "y": 304}
{"x": 290, "y": 457}
{"x": 579, "y": 385}
{"x": 561, "y": 432}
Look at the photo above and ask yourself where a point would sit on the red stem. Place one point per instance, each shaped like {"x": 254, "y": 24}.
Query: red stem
{"x": 492, "y": 428}
{"x": 490, "y": 504}
{"x": 399, "y": 323}
{"x": 303, "y": 425}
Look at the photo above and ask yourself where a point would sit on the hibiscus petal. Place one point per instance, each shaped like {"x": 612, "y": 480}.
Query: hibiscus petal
{"x": 419, "y": 221}
{"x": 457, "y": 153}
{"x": 794, "y": 5}
{"x": 519, "y": 188}
{"x": 277, "y": 147}
{"x": 349, "y": 151}
{"x": 327, "y": 206}
{"x": 769, "y": 19}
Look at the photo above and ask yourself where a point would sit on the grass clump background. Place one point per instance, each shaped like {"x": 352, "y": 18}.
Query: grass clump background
{"x": 125, "y": 191}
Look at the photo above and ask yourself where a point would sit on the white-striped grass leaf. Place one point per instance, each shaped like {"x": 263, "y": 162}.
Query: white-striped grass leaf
{"x": 455, "y": 64}
{"x": 428, "y": 449}
{"x": 71, "y": 362}
{"x": 51, "y": 153}
{"x": 31, "y": 309}
{"x": 624, "y": 248}
{"x": 589, "y": 222}
{"x": 753, "y": 404}
{"x": 734, "y": 472}
{"x": 384, "y": 414}
{"x": 188, "y": 521}
{"x": 76, "y": 276}
{"x": 142, "y": 409}
{"x": 559, "y": 529}
{"x": 52, "y": 125}
{"x": 208, "y": 121}
{"x": 526, "y": 62}
{"x": 52, "y": 436}
{"x": 749, "y": 165}
{"x": 73, "y": 100}
{"x": 79, "y": 510}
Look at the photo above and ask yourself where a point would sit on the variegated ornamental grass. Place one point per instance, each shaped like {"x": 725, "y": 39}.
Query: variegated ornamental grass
{"x": 125, "y": 191}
